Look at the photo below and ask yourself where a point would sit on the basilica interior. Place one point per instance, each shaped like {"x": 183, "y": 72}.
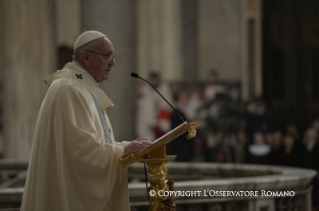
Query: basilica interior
{"x": 263, "y": 54}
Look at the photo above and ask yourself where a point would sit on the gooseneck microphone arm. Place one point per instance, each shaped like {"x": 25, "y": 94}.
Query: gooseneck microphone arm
{"x": 135, "y": 75}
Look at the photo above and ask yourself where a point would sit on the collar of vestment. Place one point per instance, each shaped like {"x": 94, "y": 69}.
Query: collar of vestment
{"x": 103, "y": 100}
{"x": 75, "y": 66}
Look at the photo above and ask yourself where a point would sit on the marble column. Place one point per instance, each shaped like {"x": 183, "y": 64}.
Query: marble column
{"x": 219, "y": 38}
{"x": 28, "y": 57}
{"x": 229, "y": 34}
{"x": 252, "y": 26}
{"x": 116, "y": 19}
{"x": 159, "y": 38}
{"x": 190, "y": 42}
{"x": 68, "y": 22}
{"x": 1, "y": 68}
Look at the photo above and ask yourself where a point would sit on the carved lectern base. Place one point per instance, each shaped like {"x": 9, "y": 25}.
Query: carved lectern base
{"x": 158, "y": 183}
{"x": 159, "y": 199}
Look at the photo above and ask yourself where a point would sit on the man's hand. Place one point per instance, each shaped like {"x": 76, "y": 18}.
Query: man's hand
{"x": 136, "y": 145}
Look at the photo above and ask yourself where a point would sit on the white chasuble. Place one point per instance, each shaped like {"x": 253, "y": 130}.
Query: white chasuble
{"x": 72, "y": 168}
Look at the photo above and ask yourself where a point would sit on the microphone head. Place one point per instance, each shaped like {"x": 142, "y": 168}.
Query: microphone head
{"x": 135, "y": 75}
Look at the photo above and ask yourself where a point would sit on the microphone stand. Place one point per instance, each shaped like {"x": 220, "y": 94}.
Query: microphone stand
{"x": 156, "y": 162}
{"x": 135, "y": 75}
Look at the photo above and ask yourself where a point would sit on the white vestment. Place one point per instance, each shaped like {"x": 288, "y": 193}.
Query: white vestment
{"x": 71, "y": 167}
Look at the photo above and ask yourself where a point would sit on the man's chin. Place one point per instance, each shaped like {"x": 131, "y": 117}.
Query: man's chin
{"x": 105, "y": 77}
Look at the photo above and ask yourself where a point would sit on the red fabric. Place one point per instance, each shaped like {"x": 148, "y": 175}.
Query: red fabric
{"x": 164, "y": 115}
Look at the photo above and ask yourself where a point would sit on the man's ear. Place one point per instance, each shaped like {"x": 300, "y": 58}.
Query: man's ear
{"x": 85, "y": 57}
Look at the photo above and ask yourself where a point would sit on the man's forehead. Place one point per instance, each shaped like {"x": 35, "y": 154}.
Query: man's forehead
{"x": 104, "y": 44}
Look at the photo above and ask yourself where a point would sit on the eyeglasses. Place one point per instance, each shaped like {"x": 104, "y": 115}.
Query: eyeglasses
{"x": 110, "y": 57}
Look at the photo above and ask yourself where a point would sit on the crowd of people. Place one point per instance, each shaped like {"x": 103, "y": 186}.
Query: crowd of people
{"x": 228, "y": 130}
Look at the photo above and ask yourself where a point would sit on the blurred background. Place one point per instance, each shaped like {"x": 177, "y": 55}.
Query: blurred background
{"x": 247, "y": 71}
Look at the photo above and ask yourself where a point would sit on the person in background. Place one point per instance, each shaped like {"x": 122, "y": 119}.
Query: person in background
{"x": 158, "y": 111}
{"x": 213, "y": 87}
{"x": 241, "y": 146}
{"x": 293, "y": 130}
{"x": 215, "y": 148}
{"x": 291, "y": 153}
{"x": 274, "y": 140}
{"x": 315, "y": 125}
{"x": 174, "y": 89}
{"x": 196, "y": 112}
{"x": 259, "y": 118}
{"x": 146, "y": 119}
{"x": 259, "y": 152}
{"x": 315, "y": 192}
{"x": 184, "y": 149}
{"x": 194, "y": 109}
{"x": 219, "y": 149}
{"x": 1, "y": 142}
{"x": 310, "y": 141}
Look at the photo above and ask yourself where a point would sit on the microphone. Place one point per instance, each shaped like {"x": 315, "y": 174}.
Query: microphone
{"x": 135, "y": 75}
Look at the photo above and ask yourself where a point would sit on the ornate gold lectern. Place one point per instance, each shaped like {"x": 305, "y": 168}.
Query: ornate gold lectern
{"x": 155, "y": 158}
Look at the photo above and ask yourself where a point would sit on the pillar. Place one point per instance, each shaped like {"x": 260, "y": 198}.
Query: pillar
{"x": 116, "y": 19}
{"x": 68, "y": 22}
{"x": 219, "y": 38}
{"x": 28, "y": 57}
{"x": 190, "y": 42}
{"x": 159, "y": 38}
{"x": 229, "y": 34}
{"x": 252, "y": 54}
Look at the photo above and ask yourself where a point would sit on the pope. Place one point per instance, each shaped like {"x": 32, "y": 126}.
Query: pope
{"x": 74, "y": 157}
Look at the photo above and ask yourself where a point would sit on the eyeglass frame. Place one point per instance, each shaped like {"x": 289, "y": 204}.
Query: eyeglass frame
{"x": 110, "y": 57}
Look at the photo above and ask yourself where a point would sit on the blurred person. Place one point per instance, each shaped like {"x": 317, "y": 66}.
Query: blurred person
{"x": 241, "y": 146}
{"x": 259, "y": 118}
{"x": 229, "y": 147}
{"x": 74, "y": 162}
{"x": 196, "y": 102}
{"x": 269, "y": 139}
{"x": 146, "y": 119}
{"x": 293, "y": 130}
{"x": 275, "y": 142}
{"x": 157, "y": 110}
{"x": 310, "y": 141}
{"x": 259, "y": 152}
{"x": 291, "y": 153}
{"x": 315, "y": 192}
{"x": 184, "y": 150}
{"x": 219, "y": 146}
{"x": 174, "y": 89}
{"x": 197, "y": 112}
{"x": 1, "y": 142}
{"x": 277, "y": 139}
{"x": 215, "y": 147}
{"x": 213, "y": 87}
{"x": 315, "y": 125}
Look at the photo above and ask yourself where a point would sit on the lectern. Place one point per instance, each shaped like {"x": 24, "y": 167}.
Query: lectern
{"x": 155, "y": 158}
